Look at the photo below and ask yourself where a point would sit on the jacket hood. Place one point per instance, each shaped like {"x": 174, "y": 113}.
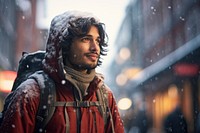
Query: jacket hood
{"x": 53, "y": 61}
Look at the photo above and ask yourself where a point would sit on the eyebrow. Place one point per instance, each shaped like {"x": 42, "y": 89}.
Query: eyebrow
{"x": 98, "y": 37}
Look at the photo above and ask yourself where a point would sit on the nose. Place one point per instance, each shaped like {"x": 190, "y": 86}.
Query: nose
{"x": 94, "y": 45}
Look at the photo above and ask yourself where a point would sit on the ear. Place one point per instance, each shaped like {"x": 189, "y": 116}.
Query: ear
{"x": 24, "y": 53}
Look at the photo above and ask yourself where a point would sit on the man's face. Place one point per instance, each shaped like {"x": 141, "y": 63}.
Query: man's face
{"x": 85, "y": 51}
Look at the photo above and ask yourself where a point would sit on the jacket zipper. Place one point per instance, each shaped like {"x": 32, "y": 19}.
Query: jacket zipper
{"x": 95, "y": 122}
{"x": 78, "y": 118}
{"x": 78, "y": 111}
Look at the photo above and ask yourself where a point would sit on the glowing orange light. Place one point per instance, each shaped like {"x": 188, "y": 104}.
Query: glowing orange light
{"x": 6, "y": 80}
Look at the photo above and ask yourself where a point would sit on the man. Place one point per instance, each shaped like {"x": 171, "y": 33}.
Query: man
{"x": 175, "y": 122}
{"x": 74, "y": 48}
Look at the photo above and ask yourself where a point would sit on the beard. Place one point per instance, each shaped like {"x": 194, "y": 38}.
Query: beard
{"x": 82, "y": 66}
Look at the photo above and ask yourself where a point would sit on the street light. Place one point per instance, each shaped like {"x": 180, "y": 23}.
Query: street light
{"x": 124, "y": 103}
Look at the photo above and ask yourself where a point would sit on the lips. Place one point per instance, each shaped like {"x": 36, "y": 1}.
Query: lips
{"x": 92, "y": 57}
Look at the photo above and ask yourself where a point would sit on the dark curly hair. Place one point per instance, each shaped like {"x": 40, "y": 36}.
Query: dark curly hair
{"x": 79, "y": 27}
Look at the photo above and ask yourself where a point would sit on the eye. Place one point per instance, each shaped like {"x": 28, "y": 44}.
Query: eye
{"x": 98, "y": 40}
{"x": 86, "y": 39}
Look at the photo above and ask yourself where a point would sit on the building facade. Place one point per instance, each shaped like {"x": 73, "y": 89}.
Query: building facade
{"x": 157, "y": 62}
{"x": 18, "y": 33}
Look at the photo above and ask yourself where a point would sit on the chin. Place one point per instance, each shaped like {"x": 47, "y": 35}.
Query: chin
{"x": 91, "y": 66}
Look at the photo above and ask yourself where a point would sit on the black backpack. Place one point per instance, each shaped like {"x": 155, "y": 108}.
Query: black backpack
{"x": 30, "y": 66}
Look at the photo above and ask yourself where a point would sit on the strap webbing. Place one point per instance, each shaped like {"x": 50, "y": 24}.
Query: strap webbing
{"x": 84, "y": 104}
{"x": 67, "y": 121}
{"x": 47, "y": 96}
{"x": 103, "y": 97}
{"x": 111, "y": 121}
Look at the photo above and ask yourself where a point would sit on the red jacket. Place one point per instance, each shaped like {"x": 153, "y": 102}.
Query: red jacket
{"x": 20, "y": 117}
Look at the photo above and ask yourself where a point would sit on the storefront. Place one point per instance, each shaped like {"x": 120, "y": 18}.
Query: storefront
{"x": 171, "y": 83}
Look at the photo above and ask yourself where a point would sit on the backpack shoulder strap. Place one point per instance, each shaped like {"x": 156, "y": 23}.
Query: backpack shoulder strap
{"x": 102, "y": 95}
{"x": 47, "y": 98}
{"x": 103, "y": 99}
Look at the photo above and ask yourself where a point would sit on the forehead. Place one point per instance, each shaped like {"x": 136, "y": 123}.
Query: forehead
{"x": 93, "y": 31}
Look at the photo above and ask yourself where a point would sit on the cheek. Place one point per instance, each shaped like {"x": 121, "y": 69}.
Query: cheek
{"x": 77, "y": 51}
{"x": 76, "y": 56}
{"x": 99, "y": 50}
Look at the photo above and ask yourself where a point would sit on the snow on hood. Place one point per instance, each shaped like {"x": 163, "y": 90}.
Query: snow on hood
{"x": 53, "y": 62}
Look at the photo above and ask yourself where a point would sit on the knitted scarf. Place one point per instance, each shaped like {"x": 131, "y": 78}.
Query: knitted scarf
{"x": 80, "y": 80}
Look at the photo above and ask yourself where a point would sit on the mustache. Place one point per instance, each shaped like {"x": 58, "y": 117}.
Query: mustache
{"x": 93, "y": 53}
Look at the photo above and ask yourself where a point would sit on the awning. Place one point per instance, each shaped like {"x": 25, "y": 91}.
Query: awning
{"x": 166, "y": 62}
